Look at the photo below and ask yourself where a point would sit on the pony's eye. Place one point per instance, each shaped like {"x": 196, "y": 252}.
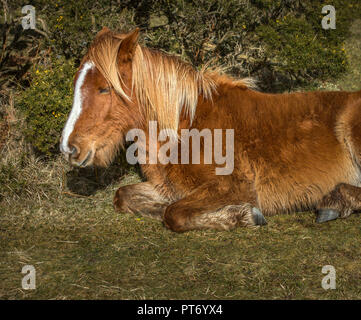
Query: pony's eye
{"x": 104, "y": 90}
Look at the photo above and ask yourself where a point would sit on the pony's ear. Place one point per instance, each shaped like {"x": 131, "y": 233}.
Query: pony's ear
{"x": 102, "y": 31}
{"x": 128, "y": 44}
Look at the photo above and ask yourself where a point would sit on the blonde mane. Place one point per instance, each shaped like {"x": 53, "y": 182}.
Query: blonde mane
{"x": 163, "y": 85}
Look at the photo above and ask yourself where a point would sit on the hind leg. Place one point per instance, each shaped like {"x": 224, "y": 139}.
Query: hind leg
{"x": 345, "y": 198}
{"x": 141, "y": 198}
{"x": 340, "y": 203}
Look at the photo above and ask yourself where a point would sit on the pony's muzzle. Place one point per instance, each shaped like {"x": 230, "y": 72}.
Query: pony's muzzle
{"x": 80, "y": 157}
{"x": 71, "y": 153}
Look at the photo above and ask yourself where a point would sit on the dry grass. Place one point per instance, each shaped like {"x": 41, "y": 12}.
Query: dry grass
{"x": 61, "y": 221}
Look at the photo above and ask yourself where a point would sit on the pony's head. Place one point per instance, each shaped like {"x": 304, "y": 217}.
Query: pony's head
{"x": 102, "y": 107}
{"x": 120, "y": 86}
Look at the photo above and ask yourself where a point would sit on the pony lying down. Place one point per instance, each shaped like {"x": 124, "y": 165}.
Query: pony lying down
{"x": 283, "y": 152}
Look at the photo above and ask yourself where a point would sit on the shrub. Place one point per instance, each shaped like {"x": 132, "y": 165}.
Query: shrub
{"x": 272, "y": 40}
{"x": 73, "y": 25}
{"x": 46, "y": 104}
{"x": 298, "y": 52}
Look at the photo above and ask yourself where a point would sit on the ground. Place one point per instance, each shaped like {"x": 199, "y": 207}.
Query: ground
{"x": 62, "y": 222}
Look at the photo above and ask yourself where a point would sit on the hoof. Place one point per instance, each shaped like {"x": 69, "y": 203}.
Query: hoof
{"x": 324, "y": 215}
{"x": 258, "y": 217}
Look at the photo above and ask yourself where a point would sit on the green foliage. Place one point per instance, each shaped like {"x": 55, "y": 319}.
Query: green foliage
{"x": 274, "y": 41}
{"x": 74, "y": 24}
{"x": 299, "y": 49}
{"x": 46, "y": 104}
{"x": 298, "y": 52}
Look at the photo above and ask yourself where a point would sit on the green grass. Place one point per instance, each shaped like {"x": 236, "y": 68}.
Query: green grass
{"x": 61, "y": 221}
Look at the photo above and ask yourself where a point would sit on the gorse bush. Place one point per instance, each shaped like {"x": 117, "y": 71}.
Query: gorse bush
{"x": 46, "y": 104}
{"x": 297, "y": 51}
{"x": 74, "y": 24}
{"x": 282, "y": 43}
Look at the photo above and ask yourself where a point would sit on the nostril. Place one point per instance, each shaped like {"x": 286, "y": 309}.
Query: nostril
{"x": 74, "y": 151}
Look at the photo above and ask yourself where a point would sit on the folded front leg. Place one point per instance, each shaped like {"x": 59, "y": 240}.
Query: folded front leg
{"x": 208, "y": 208}
{"x": 141, "y": 198}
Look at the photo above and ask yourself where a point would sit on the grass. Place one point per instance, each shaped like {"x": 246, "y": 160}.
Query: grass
{"x": 61, "y": 221}
{"x": 82, "y": 249}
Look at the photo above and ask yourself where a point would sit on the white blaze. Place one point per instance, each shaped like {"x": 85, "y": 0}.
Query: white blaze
{"x": 76, "y": 109}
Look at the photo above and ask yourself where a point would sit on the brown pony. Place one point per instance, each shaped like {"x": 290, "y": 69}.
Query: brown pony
{"x": 298, "y": 151}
